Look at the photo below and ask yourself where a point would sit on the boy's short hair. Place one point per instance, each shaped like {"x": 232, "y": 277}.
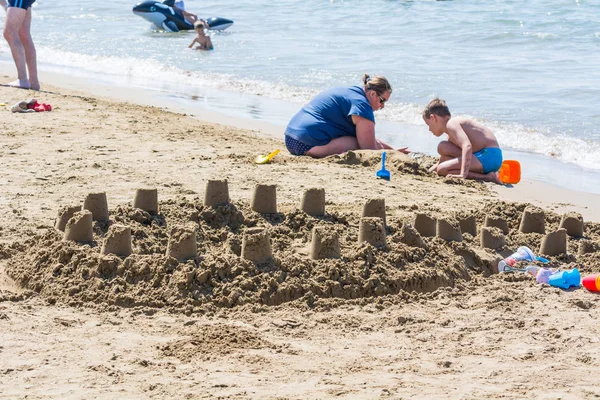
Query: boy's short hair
{"x": 199, "y": 24}
{"x": 437, "y": 107}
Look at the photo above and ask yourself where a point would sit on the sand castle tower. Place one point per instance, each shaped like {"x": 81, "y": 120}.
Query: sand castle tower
{"x": 410, "y": 236}
{"x": 97, "y": 204}
{"x": 182, "y": 243}
{"x": 64, "y": 215}
{"x": 425, "y": 224}
{"x": 375, "y": 208}
{"x": 498, "y": 222}
{"x": 264, "y": 200}
{"x": 533, "y": 220}
{"x": 147, "y": 200}
{"x": 587, "y": 246}
{"x": 256, "y": 245}
{"x": 573, "y": 223}
{"x": 371, "y": 230}
{"x": 216, "y": 193}
{"x": 80, "y": 227}
{"x": 492, "y": 237}
{"x": 449, "y": 229}
{"x": 117, "y": 241}
{"x": 313, "y": 202}
{"x": 554, "y": 243}
{"x": 468, "y": 224}
{"x": 325, "y": 243}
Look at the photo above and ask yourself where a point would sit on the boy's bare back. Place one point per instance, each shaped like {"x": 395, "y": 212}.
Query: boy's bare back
{"x": 480, "y": 136}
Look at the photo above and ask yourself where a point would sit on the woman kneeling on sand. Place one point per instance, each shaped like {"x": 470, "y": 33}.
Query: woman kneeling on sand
{"x": 339, "y": 120}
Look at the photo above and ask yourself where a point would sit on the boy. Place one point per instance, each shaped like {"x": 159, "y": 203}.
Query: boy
{"x": 204, "y": 42}
{"x": 471, "y": 150}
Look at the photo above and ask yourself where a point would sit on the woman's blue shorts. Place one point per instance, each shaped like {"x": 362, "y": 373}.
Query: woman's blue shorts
{"x": 296, "y": 147}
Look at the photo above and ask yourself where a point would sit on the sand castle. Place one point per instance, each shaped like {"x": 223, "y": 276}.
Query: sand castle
{"x": 256, "y": 245}
{"x": 375, "y": 208}
{"x": 372, "y": 230}
{"x": 79, "y": 228}
{"x": 64, "y": 215}
{"x": 498, "y": 222}
{"x": 117, "y": 241}
{"x": 573, "y": 223}
{"x": 224, "y": 246}
{"x": 425, "y": 225}
{"x": 182, "y": 243}
{"x": 264, "y": 200}
{"x": 324, "y": 244}
{"x": 468, "y": 224}
{"x": 97, "y": 204}
{"x": 533, "y": 220}
{"x": 147, "y": 200}
{"x": 448, "y": 229}
{"x": 216, "y": 193}
{"x": 313, "y": 202}
{"x": 492, "y": 238}
{"x": 554, "y": 243}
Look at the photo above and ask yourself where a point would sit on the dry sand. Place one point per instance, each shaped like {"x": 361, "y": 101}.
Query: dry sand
{"x": 417, "y": 318}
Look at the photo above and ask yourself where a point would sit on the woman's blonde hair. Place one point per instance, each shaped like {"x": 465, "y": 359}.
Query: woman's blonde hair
{"x": 377, "y": 83}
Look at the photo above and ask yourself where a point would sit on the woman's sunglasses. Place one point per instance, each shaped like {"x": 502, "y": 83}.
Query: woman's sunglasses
{"x": 381, "y": 99}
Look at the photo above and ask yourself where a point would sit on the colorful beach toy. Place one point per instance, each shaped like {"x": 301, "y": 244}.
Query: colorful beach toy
{"x": 592, "y": 283}
{"x": 265, "y": 159}
{"x": 510, "y": 172}
{"x": 383, "y": 173}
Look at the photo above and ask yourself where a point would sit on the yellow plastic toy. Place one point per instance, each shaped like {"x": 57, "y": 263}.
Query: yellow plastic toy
{"x": 265, "y": 159}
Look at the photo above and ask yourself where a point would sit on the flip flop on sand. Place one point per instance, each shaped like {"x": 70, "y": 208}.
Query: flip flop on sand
{"x": 21, "y": 107}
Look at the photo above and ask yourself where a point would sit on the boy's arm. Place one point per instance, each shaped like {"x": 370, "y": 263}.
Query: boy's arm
{"x": 191, "y": 44}
{"x": 460, "y": 138}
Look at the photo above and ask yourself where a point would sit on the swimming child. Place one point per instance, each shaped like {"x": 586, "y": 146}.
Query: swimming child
{"x": 471, "y": 150}
{"x": 203, "y": 40}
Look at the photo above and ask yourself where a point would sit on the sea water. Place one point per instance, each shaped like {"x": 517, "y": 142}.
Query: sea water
{"x": 526, "y": 69}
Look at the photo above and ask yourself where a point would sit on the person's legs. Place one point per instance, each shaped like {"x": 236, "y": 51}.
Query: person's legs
{"x": 14, "y": 20}
{"x": 451, "y": 161}
{"x": 335, "y": 146}
{"x": 30, "y": 53}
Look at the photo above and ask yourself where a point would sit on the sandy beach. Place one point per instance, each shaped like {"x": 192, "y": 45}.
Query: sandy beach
{"x": 416, "y": 317}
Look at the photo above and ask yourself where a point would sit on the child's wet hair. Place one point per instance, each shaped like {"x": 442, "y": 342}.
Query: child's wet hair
{"x": 438, "y": 107}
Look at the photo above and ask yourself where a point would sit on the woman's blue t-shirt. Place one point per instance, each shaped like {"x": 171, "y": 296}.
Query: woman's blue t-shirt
{"x": 329, "y": 116}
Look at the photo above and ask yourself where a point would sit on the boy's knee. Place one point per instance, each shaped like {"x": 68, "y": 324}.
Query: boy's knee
{"x": 440, "y": 148}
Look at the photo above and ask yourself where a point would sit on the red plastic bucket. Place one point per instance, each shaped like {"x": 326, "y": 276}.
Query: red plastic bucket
{"x": 592, "y": 283}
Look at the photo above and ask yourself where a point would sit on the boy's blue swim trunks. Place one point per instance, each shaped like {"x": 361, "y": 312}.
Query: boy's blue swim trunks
{"x": 490, "y": 158}
{"x": 24, "y": 4}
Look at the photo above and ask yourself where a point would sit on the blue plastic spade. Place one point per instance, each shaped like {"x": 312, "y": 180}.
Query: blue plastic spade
{"x": 383, "y": 173}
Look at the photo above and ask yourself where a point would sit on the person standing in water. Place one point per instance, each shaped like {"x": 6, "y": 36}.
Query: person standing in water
{"x": 17, "y": 32}
{"x": 339, "y": 119}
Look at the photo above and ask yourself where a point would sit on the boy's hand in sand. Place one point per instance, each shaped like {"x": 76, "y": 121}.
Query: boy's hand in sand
{"x": 403, "y": 150}
{"x": 454, "y": 176}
